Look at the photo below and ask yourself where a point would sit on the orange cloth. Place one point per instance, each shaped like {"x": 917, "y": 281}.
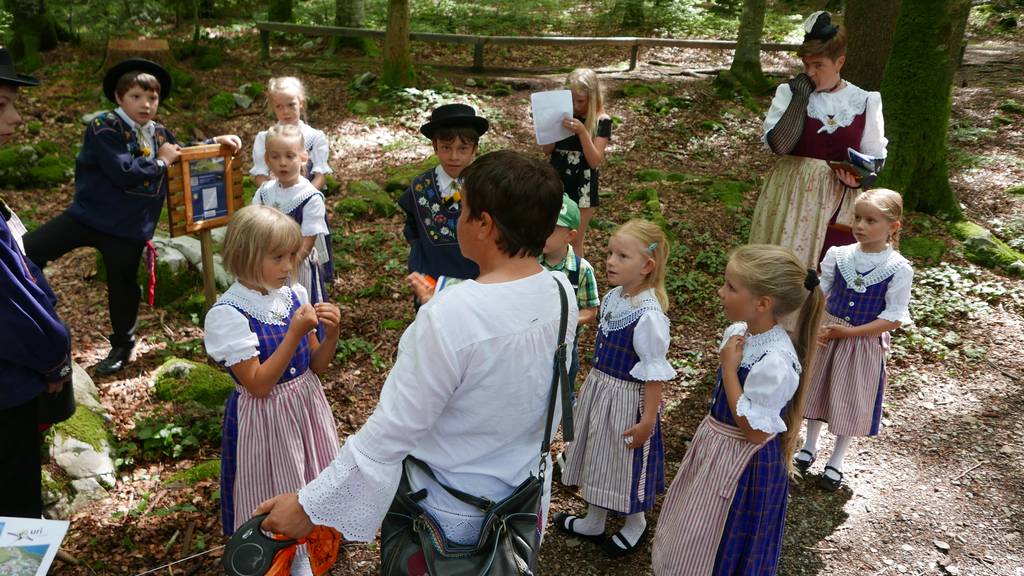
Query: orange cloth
{"x": 323, "y": 545}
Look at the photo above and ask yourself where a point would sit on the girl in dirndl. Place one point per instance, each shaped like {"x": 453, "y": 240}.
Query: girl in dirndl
{"x": 814, "y": 118}
{"x": 868, "y": 289}
{"x": 726, "y": 509}
{"x": 578, "y": 158}
{"x": 617, "y": 458}
{"x": 278, "y": 429}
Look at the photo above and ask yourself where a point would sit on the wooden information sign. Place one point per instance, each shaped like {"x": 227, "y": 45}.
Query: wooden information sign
{"x": 203, "y": 190}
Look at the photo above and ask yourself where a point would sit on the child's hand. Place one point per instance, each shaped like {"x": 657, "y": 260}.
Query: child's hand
{"x": 731, "y": 354}
{"x": 833, "y": 332}
{"x": 575, "y": 126}
{"x": 421, "y": 287}
{"x": 635, "y": 436}
{"x": 169, "y": 153}
{"x": 234, "y": 142}
{"x": 328, "y": 315}
{"x": 304, "y": 319}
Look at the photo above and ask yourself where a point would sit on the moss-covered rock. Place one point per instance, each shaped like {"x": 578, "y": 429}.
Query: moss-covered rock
{"x": 209, "y": 470}
{"x": 210, "y": 57}
{"x": 642, "y": 194}
{"x": 982, "y": 248}
{"x": 86, "y": 426}
{"x": 223, "y": 104}
{"x": 34, "y": 166}
{"x": 181, "y": 79}
{"x": 924, "y": 249}
{"x": 400, "y": 177}
{"x": 654, "y": 175}
{"x": 180, "y": 380}
{"x": 365, "y": 198}
{"x": 729, "y": 192}
{"x": 1017, "y": 190}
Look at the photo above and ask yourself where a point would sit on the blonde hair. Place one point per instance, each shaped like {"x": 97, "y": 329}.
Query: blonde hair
{"x": 285, "y": 132}
{"x": 653, "y": 238}
{"x": 776, "y": 272}
{"x": 253, "y": 232}
{"x": 287, "y": 85}
{"x": 585, "y": 81}
{"x": 889, "y": 203}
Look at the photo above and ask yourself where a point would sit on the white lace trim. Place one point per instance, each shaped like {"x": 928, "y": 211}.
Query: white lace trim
{"x": 837, "y": 110}
{"x": 307, "y": 191}
{"x": 617, "y": 312}
{"x": 760, "y": 417}
{"x": 273, "y": 308}
{"x": 755, "y": 346}
{"x": 846, "y": 263}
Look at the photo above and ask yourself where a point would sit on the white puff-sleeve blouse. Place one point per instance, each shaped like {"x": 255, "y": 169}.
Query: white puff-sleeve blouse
{"x": 651, "y": 339}
{"x": 773, "y": 378}
{"x": 228, "y": 338}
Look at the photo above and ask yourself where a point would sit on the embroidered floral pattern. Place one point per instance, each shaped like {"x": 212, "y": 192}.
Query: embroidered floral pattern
{"x": 438, "y": 217}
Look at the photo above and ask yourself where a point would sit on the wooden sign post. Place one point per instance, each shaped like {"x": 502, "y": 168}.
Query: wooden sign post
{"x": 203, "y": 190}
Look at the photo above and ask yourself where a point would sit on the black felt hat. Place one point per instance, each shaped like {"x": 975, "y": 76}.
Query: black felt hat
{"x": 9, "y": 76}
{"x": 818, "y": 26}
{"x": 115, "y": 72}
{"x": 453, "y": 115}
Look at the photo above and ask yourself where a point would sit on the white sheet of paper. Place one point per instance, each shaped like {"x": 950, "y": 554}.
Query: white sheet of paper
{"x": 549, "y": 109}
{"x": 28, "y": 546}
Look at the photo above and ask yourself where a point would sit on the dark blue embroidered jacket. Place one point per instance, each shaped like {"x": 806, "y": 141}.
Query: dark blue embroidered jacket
{"x": 430, "y": 229}
{"x": 118, "y": 189}
{"x": 34, "y": 345}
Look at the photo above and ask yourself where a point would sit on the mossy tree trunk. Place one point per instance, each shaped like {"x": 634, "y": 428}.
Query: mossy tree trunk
{"x": 746, "y": 61}
{"x": 632, "y": 13}
{"x": 280, "y": 11}
{"x": 917, "y": 96}
{"x": 34, "y": 31}
{"x": 870, "y": 25}
{"x": 398, "y": 71}
{"x": 350, "y": 14}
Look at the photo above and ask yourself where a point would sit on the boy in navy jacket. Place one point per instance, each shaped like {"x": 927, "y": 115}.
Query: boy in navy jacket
{"x": 120, "y": 183}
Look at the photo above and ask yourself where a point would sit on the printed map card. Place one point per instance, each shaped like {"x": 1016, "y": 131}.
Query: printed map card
{"x": 28, "y": 546}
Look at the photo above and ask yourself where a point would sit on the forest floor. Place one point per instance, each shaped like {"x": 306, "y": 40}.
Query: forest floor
{"x": 939, "y": 491}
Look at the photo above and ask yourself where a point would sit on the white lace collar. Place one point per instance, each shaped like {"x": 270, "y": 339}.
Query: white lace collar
{"x": 444, "y": 182}
{"x": 286, "y": 199}
{"x": 887, "y": 262}
{"x": 777, "y": 340}
{"x": 837, "y": 110}
{"x": 274, "y": 307}
{"x": 618, "y": 311}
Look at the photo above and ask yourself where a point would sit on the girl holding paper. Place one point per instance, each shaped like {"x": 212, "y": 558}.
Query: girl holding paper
{"x": 578, "y": 157}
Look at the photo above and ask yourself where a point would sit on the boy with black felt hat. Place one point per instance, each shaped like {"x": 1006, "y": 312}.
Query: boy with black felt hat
{"x": 120, "y": 183}
{"x": 433, "y": 202}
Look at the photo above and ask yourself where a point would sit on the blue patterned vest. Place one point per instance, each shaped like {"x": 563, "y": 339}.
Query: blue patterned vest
{"x": 614, "y": 354}
{"x": 857, "y": 308}
{"x": 270, "y": 337}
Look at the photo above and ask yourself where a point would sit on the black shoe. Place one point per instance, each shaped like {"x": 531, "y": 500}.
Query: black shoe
{"x": 118, "y": 358}
{"x": 828, "y": 483}
{"x": 803, "y": 464}
{"x": 616, "y": 545}
{"x": 564, "y": 523}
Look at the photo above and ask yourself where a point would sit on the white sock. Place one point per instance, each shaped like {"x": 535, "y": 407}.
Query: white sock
{"x": 632, "y": 529}
{"x": 593, "y": 523}
{"x": 842, "y": 445}
{"x": 813, "y": 431}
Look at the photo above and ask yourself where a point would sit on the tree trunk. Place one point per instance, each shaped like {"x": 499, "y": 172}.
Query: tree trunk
{"x": 279, "y": 11}
{"x": 398, "y": 70}
{"x": 34, "y": 31}
{"x": 917, "y": 96}
{"x": 350, "y": 14}
{"x": 746, "y": 61}
{"x": 870, "y": 25}
{"x": 632, "y": 13}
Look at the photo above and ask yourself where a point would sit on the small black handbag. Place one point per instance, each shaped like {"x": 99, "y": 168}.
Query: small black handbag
{"x": 509, "y": 540}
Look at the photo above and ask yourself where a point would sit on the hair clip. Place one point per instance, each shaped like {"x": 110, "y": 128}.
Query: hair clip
{"x": 652, "y": 247}
{"x": 811, "y": 281}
